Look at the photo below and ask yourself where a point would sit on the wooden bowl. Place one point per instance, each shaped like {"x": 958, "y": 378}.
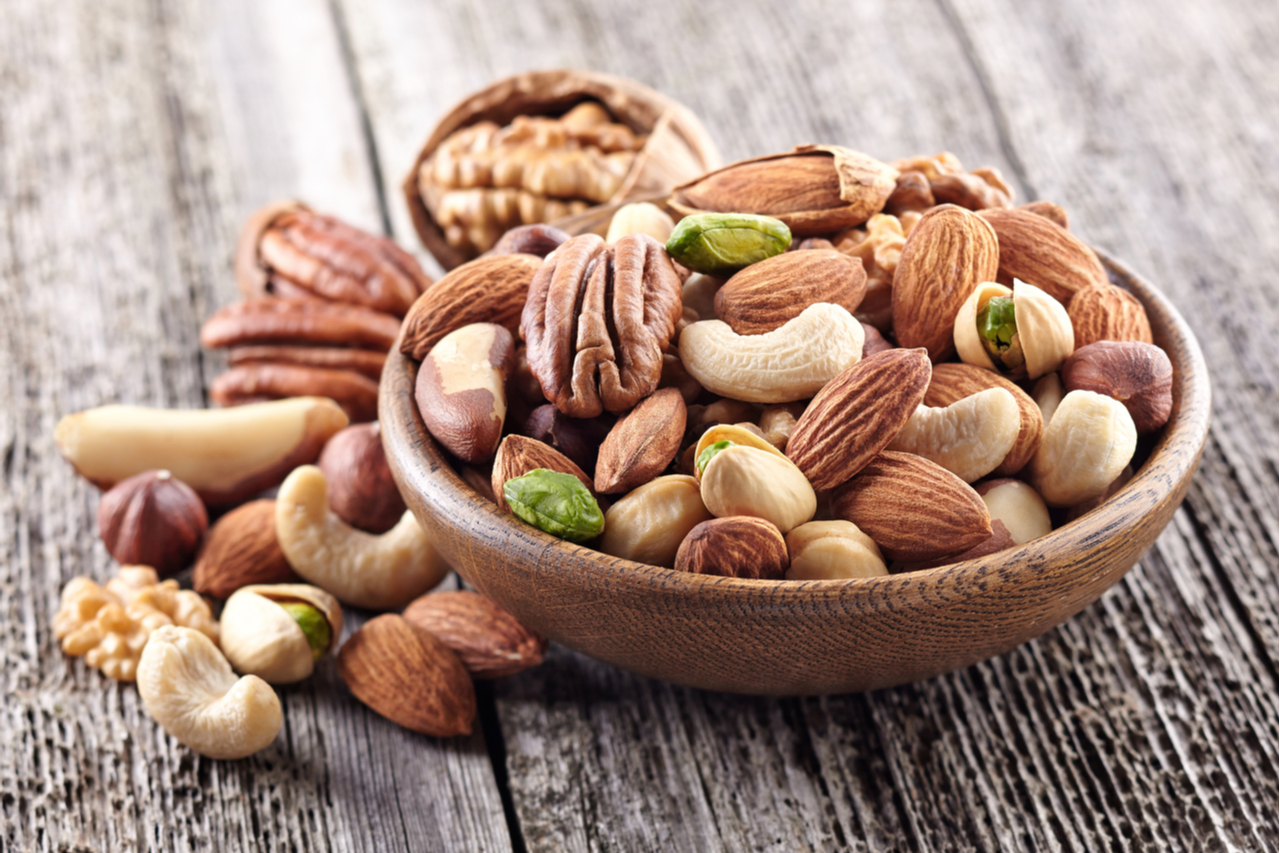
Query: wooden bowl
{"x": 802, "y": 637}
{"x": 678, "y": 146}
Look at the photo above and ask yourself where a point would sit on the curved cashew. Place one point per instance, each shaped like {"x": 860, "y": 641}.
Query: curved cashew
{"x": 970, "y": 438}
{"x": 1085, "y": 447}
{"x": 360, "y": 569}
{"x": 832, "y": 549}
{"x": 190, "y": 690}
{"x": 1018, "y": 506}
{"x": 790, "y": 363}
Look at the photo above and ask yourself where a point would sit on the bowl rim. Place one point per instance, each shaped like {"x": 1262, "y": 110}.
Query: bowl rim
{"x": 1165, "y": 475}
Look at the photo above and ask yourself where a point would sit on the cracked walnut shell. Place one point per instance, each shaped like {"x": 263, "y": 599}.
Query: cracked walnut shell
{"x": 597, "y": 321}
{"x": 110, "y": 626}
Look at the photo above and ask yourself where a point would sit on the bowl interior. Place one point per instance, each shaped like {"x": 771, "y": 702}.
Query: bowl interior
{"x": 801, "y": 637}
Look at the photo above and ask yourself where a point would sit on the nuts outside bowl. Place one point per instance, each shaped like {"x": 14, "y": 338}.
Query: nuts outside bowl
{"x": 802, "y": 637}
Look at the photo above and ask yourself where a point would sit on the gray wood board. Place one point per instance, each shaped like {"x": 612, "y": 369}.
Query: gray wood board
{"x": 135, "y": 137}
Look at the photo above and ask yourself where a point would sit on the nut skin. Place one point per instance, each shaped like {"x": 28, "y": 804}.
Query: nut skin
{"x": 241, "y": 549}
{"x": 1138, "y": 375}
{"x": 355, "y": 392}
{"x": 815, "y": 189}
{"x": 152, "y": 519}
{"x": 914, "y": 509}
{"x": 649, "y": 523}
{"x": 857, "y": 414}
{"x": 260, "y": 638}
{"x": 998, "y": 541}
{"x": 408, "y": 676}
{"x": 642, "y": 444}
{"x": 490, "y": 641}
{"x": 486, "y": 290}
{"x": 1049, "y": 211}
{"x": 736, "y": 547}
{"x": 766, "y": 295}
{"x": 518, "y": 455}
{"x": 461, "y": 389}
{"x": 272, "y": 320}
{"x": 361, "y": 490}
{"x": 949, "y": 253}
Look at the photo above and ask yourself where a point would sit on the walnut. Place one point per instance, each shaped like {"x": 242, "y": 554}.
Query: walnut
{"x": 597, "y": 321}
{"x": 109, "y": 626}
{"x": 484, "y": 179}
{"x": 926, "y": 181}
{"x": 879, "y": 245}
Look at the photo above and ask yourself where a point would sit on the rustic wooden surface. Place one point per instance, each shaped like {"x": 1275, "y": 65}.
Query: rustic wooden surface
{"x": 135, "y": 136}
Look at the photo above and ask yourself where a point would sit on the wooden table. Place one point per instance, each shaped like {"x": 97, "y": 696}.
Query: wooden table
{"x": 136, "y": 136}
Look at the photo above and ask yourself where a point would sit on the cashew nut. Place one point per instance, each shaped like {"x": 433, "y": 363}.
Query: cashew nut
{"x": 970, "y": 438}
{"x": 1048, "y": 394}
{"x": 360, "y": 569}
{"x": 224, "y": 454}
{"x": 190, "y": 690}
{"x": 1085, "y": 447}
{"x": 790, "y": 363}
{"x": 832, "y": 550}
{"x": 1018, "y": 506}
{"x": 649, "y": 524}
{"x": 641, "y": 217}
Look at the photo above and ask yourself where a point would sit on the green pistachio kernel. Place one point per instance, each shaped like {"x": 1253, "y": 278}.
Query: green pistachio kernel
{"x": 313, "y": 624}
{"x": 999, "y": 332}
{"x": 704, "y": 458}
{"x": 556, "y": 503}
{"x": 720, "y": 244}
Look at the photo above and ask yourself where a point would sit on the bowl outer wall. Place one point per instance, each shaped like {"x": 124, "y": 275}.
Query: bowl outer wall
{"x": 808, "y": 637}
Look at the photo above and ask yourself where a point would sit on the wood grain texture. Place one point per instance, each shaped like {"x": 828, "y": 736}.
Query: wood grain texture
{"x": 134, "y": 138}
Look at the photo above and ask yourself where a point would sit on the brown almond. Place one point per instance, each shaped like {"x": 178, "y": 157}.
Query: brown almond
{"x": 1049, "y": 211}
{"x": 952, "y": 382}
{"x": 857, "y": 414}
{"x": 409, "y": 677}
{"x": 1108, "y": 314}
{"x": 486, "y": 290}
{"x": 998, "y": 541}
{"x": 641, "y": 444}
{"x": 914, "y": 509}
{"x": 518, "y": 456}
{"x": 241, "y": 549}
{"x": 1038, "y": 251}
{"x": 767, "y": 294}
{"x": 737, "y": 546}
{"x": 948, "y": 253}
{"x": 489, "y": 640}
{"x": 815, "y": 189}
{"x": 461, "y": 389}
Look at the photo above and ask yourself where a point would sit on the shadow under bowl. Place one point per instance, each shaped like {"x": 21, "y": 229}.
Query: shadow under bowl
{"x": 801, "y": 637}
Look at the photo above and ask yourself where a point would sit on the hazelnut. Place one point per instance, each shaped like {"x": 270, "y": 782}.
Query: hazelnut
{"x": 1137, "y": 374}
{"x": 152, "y": 519}
{"x": 361, "y": 490}
{"x": 739, "y": 546}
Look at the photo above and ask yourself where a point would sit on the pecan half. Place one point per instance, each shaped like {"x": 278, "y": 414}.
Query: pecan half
{"x": 363, "y": 361}
{"x": 597, "y": 320}
{"x": 287, "y": 246}
{"x": 272, "y": 320}
{"x": 355, "y": 393}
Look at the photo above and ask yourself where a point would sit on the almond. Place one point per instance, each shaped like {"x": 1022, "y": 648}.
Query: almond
{"x": 1049, "y": 211}
{"x": 461, "y": 389}
{"x": 815, "y": 189}
{"x": 949, "y": 253}
{"x": 1038, "y": 251}
{"x": 999, "y": 540}
{"x": 409, "y": 677}
{"x": 490, "y": 641}
{"x": 241, "y": 549}
{"x": 738, "y": 546}
{"x": 1108, "y": 314}
{"x": 952, "y": 382}
{"x": 857, "y": 414}
{"x": 912, "y": 508}
{"x": 642, "y": 444}
{"x": 518, "y": 456}
{"x": 486, "y": 290}
{"x": 767, "y": 294}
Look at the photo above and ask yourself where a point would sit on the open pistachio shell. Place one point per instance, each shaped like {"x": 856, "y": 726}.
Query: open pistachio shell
{"x": 1044, "y": 328}
{"x": 752, "y": 481}
{"x": 260, "y": 638}
{"x": 736, "y": 434}
{"x": 968, "y": 342}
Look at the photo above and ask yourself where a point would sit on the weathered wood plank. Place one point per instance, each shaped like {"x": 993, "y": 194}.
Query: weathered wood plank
{"x": 1149, "y": 720}
{"x": 134, "y": 137}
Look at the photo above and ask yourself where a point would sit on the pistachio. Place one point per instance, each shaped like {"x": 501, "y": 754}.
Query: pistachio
{"x": 1020, "y": 332}
{"x": 707, "y": 455}
{"x": 556, "y": 503}
{"x": 720, "y": 244}
{"x": 277, "y": 632}
{"x": 649, "y": 524}
{"x": 313, "y": 624}
{"x": 755, "y": 482}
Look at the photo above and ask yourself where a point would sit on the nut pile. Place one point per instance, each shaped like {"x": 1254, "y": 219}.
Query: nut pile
{"x": 831, "y": 367}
